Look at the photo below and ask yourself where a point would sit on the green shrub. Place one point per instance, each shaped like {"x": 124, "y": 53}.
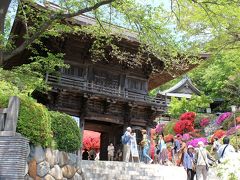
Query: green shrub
{"x": 168, "y": 129}
{"x": 180, "y": 106}
{"x": 34, "y": 122}
{"x": 66, "y": 133}
{"x": 6, "y": 91}
{"x": 235, "y": 140}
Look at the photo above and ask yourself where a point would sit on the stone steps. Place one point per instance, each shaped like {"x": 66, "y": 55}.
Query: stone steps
{"x": 114, "y": 170}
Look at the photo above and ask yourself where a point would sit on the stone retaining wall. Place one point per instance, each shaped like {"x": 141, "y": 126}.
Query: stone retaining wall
{"x": 48, "y": 164}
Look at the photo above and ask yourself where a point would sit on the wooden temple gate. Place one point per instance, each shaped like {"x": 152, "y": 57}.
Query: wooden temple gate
{"x": 106, "y": 95}
{"x": 102, "y": 111}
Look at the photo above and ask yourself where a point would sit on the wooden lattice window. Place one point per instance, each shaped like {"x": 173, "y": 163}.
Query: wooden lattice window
{"x": 136, "y": 84}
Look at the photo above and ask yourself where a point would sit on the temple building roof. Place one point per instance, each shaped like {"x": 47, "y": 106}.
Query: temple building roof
{"x": 183, "y": 88}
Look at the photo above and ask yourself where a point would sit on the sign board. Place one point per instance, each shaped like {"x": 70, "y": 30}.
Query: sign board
{"x": 134, "y": 147}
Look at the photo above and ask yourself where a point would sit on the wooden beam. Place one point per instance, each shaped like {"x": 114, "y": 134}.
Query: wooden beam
{"x": 97, "y": 127}
{"x": 104, "y": 118}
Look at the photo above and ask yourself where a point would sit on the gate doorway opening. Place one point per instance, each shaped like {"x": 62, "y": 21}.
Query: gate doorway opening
{"x": 91, "y": 144}
{"x": 108, "y": 133}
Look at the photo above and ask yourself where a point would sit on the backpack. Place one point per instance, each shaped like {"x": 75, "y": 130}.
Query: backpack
{"x": 125, "y": 139}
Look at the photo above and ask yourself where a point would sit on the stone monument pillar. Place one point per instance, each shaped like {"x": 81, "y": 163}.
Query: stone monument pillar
{"x": 14, "y": 148}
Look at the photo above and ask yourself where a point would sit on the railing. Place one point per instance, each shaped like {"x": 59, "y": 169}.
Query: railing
{"x": 83, "y": 85}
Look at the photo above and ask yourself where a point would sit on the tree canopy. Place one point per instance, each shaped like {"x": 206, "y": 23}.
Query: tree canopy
{"x": 218, "y": 78}
{"x": 186, "y": 27}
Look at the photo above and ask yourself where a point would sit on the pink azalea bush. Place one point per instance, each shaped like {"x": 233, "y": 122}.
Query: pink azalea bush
{"x": 204, "y": 122}
{"x": 186, "y": 137}
{"x": 223, "y": 117}
{"x": 195, "y": 141}
{"x": 159, "y": 128}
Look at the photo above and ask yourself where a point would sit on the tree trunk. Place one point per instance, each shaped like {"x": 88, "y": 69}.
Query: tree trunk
{"x": 3, "y": 11}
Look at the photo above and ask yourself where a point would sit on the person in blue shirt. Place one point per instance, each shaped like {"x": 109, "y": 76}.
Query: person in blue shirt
{"x": 176, "y": 147}
{"x": 163, "y": 154}
{"x": 188, "y": 164}
{"x": 146, "y": 146}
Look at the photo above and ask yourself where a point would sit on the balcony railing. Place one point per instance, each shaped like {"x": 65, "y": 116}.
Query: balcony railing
{"x": 83, "y": 85}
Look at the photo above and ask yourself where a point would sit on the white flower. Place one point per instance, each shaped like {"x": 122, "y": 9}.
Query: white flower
{"x": 230, "y": 167}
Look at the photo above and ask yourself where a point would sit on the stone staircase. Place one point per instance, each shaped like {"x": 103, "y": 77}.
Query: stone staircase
{"x": 115, "y": 170}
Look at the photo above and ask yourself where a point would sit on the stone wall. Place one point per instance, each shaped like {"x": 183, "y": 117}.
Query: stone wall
{"x": 48, "y": 164}
{"x": 14, "y": 151}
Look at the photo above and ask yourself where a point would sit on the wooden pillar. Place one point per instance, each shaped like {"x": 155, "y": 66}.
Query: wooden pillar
{"x": 82, "y": 125}
{"x": 83, "y": 111}
{"x": 127, "y": 116}
{"x": 104, "y": 141}
{"x": 150, "y": 120}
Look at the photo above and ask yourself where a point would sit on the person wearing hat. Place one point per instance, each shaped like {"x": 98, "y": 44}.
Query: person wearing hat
{"x": 201, "y": 159}
{"x": 188, "y": 162}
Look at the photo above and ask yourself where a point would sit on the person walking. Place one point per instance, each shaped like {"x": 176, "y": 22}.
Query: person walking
{"x": 226, "y": 150}
{"x": 126, "y": 141}
{"x": 110, "y": 150}
{"x": 176, "y": 146}
{"x": 201, "y": 160}
{"x": 119, "y": 154}
{"x": 181, "y": 152}
{"x": 215, "y": 147}
{"x": 156, "y": 153}
{"x": 188, "y": 163}
{"x": 146, "y": 146}
{"x": 163, "y": 154}
{"x": 85, "y": 155}
{"x": 92, "y": 154}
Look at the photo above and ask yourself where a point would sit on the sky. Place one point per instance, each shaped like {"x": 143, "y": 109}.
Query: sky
{"x": 11, "y": 15}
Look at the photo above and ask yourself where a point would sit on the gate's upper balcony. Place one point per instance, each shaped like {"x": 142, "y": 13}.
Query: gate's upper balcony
{"x": 83, "y": 86}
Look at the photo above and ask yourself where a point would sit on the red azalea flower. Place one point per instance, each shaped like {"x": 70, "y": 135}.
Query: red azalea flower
{"x": 190, "y": 116}
{"x": 183, "y": 126}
